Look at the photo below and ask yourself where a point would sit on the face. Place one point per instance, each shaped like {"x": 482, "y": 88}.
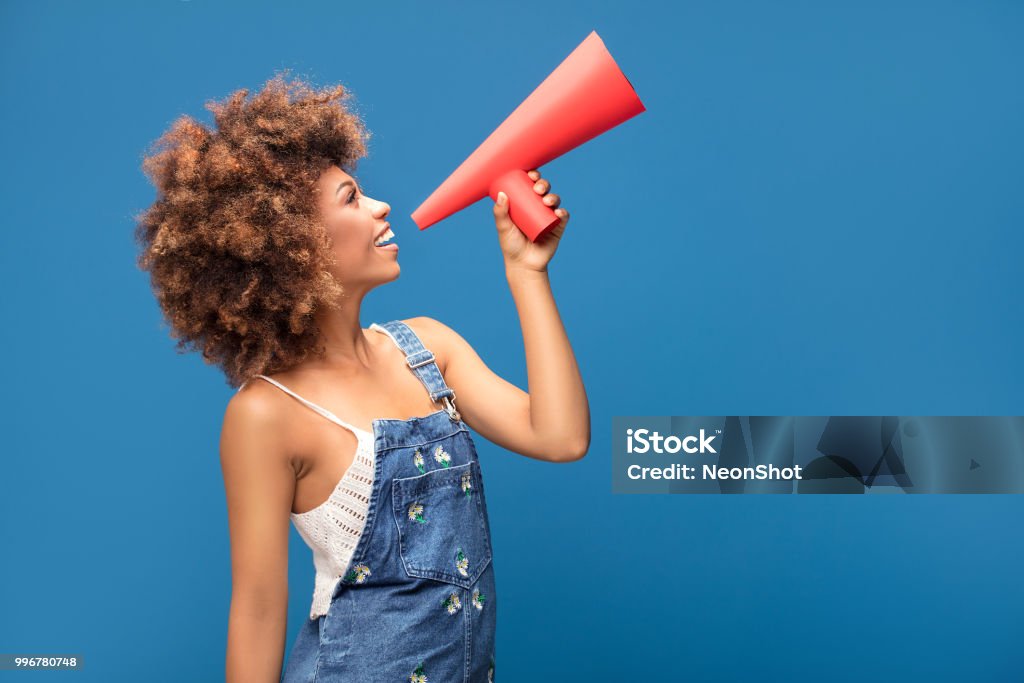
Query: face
{"x": 354, "y": 221}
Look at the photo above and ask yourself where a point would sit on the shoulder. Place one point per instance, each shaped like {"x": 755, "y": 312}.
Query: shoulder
{"x": 253, "y": 403}
{"x": 252, "y": 419}
{"x": 438, "y": 337}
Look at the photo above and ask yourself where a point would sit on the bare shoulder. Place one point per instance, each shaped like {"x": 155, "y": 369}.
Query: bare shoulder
{"x": 259, "y": 486}
{"x": 253, "y": 421}
{"x": 252, "y": 405}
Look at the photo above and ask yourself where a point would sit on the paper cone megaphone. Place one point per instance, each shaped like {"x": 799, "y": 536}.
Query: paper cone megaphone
{"x": 586, "y": 95}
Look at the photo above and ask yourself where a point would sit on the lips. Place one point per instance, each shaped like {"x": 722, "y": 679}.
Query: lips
{"x": 387, "y": 226}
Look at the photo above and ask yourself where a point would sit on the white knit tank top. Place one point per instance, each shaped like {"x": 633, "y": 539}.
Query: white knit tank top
{"x": 332, "y": 529}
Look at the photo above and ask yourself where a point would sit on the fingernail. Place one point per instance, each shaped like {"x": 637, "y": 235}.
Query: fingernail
{"x": 502, "y": 198}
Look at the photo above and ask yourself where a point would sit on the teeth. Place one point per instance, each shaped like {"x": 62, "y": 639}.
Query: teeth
{"x": 384, "y": 238}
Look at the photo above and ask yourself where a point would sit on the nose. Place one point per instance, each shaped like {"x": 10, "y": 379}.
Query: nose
{"x": 383, "y": 209}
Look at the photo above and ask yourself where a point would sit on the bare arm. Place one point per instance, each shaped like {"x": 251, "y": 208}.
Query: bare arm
{"x": 552, "y": 421}
{"x": 559, "y": 409}
{"x": 259, "y": 483}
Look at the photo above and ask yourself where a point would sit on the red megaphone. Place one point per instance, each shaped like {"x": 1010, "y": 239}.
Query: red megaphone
{"x": 585, "y": 96}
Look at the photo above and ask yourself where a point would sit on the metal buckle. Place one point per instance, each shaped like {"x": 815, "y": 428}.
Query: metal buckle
{"x": 429, "y": 359}
{"x": 449, "y": 406}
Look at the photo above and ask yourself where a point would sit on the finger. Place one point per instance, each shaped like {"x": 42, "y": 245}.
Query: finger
{"x": 501, "y": 217}
{"x": 552, "y": 200}
{"x": 534, "y": 175}
{"x": 556, "y": 232}
{"x": 541, "y": 186}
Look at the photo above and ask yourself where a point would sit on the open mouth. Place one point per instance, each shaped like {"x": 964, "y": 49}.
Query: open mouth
{"x": 385, "y": 239}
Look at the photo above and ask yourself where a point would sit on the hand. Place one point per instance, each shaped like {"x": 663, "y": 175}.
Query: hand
{"x": 519, "y": 251}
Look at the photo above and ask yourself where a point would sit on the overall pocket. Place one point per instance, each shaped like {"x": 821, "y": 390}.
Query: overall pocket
{"x": 442, "y": 527}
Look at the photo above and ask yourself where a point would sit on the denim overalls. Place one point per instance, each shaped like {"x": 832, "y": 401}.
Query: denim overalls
{"x": 417, "y": 601}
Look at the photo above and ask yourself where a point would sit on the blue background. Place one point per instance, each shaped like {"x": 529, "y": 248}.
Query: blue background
{"x": 819, "y": 214}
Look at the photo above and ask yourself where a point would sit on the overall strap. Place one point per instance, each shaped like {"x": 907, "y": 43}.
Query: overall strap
{"x": 421, "y": 362}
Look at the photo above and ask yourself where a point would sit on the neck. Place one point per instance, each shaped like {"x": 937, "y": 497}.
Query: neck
{"x": 342, "y": 336}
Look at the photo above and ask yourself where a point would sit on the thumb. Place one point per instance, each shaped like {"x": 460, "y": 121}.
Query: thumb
{"x": 501, "y": 216}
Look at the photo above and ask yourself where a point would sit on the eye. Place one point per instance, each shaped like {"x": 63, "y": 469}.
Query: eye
{"x": 351, "y": 197}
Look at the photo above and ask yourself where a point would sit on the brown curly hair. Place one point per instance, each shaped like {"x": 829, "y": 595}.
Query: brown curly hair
{"x": 237, "y": 255}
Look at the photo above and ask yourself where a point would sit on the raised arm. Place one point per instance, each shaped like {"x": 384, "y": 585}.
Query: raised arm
{"x": 552, "y": 421}
{"x": 259, "y": 483}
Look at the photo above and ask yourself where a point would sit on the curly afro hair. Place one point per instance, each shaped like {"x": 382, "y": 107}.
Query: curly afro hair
{"x": 237, "y": 255}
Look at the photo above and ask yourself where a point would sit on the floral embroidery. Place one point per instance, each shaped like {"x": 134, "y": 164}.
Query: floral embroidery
{"x": 478, "y": 598}
{"x": 461, "y": 562}
{"x": 452, "y": 603}
{"x": 417, "y": 459}
{"x": 418, "y": 676}
{"x": 467, "y": 483}
{"x": 442, "y": 456}
{"x": 416, "y": 513}
{"x": 357, "y": 574}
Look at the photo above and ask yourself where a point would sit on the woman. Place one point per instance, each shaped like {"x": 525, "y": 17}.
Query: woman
{"x": 261, "y": 246}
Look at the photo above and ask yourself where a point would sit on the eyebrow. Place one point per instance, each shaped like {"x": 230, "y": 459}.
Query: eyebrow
{"x": 343, "y": 184}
